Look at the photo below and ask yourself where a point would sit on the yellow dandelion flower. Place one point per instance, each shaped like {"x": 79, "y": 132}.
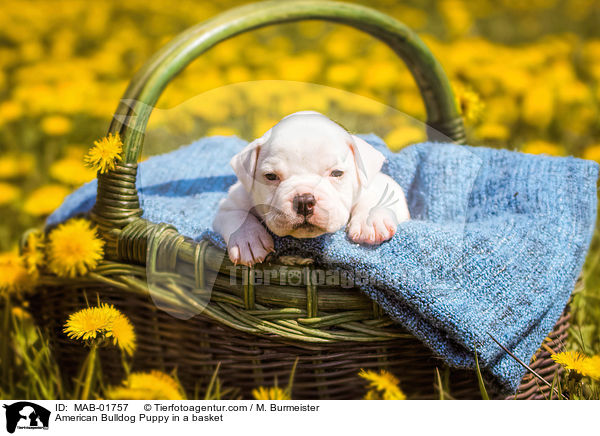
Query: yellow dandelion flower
{"x": 405, "y": 135}
{"x": 104, "y": 321}
{"x": 373, "y": 394}
{"x": 591, "y": 367}
{"x": 576, "y": 361}
{"x": 10, "y": 111}
{"x": 238, "y": 73}
{"x": 384, "y": 383}
{"x": 457, "y": 17}
{"x": 411, "y": 103}
{"x": 381, "y": 381}
{"x": 539, "y": 146}
{"x": 56, "y": 125}
{"x": 71, "y": 172}
{"x": 73, "y": 248}
{"x": 8, "y": 193}
{"x": 13, "y": 274}
{"x": 573, "y": 92}
{"x": 571, "y": 360}
{"x": 21, "y": 314}
{"x": 8, "y": 166}
{"x": 380, "y": 75}
{"x": 105, "y": 152}
{"x": 16, "y": 165}
{"x": 122, "y": 333}
{"x": 469, "y": 103}
{"x": 45, "y": 200}
{"x": 90, "y": 323}
{"x": 493, "y": 131}
{"x": 343, "y": 74}
{"x": 154, "y": 385}
{"x": 272, "y": 393}
{"x": 592, "y": 152}
{"x": 301, "y": 68}
{"x": 538, "y": 106}
{"x": 33, "y": 253}
{"x": 340, "y": 44}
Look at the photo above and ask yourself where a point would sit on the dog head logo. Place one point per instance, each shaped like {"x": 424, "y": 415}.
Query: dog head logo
{"x": 26, "y": 415}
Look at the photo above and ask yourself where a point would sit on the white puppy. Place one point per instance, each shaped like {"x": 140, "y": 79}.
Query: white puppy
{"x": 307, "y": 176}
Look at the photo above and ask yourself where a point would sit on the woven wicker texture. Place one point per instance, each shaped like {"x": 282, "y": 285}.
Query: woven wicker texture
{"x": 194, "y": 347}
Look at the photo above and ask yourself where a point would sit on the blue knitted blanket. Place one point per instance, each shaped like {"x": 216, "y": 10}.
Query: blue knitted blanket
{"x": 494, "y": 247}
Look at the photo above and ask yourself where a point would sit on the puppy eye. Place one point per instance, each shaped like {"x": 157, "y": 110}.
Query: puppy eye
{"x": 271, "y": 176}
{"x": 337, "y": 173}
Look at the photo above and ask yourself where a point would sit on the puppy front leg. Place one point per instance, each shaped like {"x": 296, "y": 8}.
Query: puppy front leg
{"x": 248, "y": 242}
{"x": 376, "y": 214}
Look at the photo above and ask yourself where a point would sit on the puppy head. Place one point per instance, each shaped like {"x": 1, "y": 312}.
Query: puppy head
{"x": 305, "y": 173}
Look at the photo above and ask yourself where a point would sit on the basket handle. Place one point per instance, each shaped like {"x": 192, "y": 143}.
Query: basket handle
{"x": 133, "y": 112}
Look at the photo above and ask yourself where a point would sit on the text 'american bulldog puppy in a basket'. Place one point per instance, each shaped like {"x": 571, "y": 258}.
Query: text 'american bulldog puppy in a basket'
{"x": 304, "y": 177}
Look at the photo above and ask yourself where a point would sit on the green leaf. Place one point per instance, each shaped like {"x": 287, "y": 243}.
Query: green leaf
{"x": 482, "y": 389}
{"x": 439, "y": 384}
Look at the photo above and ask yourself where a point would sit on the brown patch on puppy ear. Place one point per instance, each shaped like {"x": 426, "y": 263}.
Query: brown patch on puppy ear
{"x": 244, "y": 163}
{"x": 368, "y": 161}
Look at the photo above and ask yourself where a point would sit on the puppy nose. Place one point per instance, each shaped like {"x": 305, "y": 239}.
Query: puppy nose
{"x": 304, "y": 204}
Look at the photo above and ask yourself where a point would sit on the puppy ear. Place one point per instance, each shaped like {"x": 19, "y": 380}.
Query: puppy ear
{"x": 368, "y": 160}
{"x": 244, "y": 163}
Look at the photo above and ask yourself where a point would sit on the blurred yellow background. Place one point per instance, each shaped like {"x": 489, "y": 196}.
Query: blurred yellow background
{"x": 526, "y": 74}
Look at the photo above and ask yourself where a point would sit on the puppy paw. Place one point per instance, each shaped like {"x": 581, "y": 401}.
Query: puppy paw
{"x": 249, "y": 245}
{"x": 374, "y": 228}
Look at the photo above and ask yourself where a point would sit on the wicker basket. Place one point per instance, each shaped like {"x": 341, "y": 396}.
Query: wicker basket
{"x": 255, "y": 330}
